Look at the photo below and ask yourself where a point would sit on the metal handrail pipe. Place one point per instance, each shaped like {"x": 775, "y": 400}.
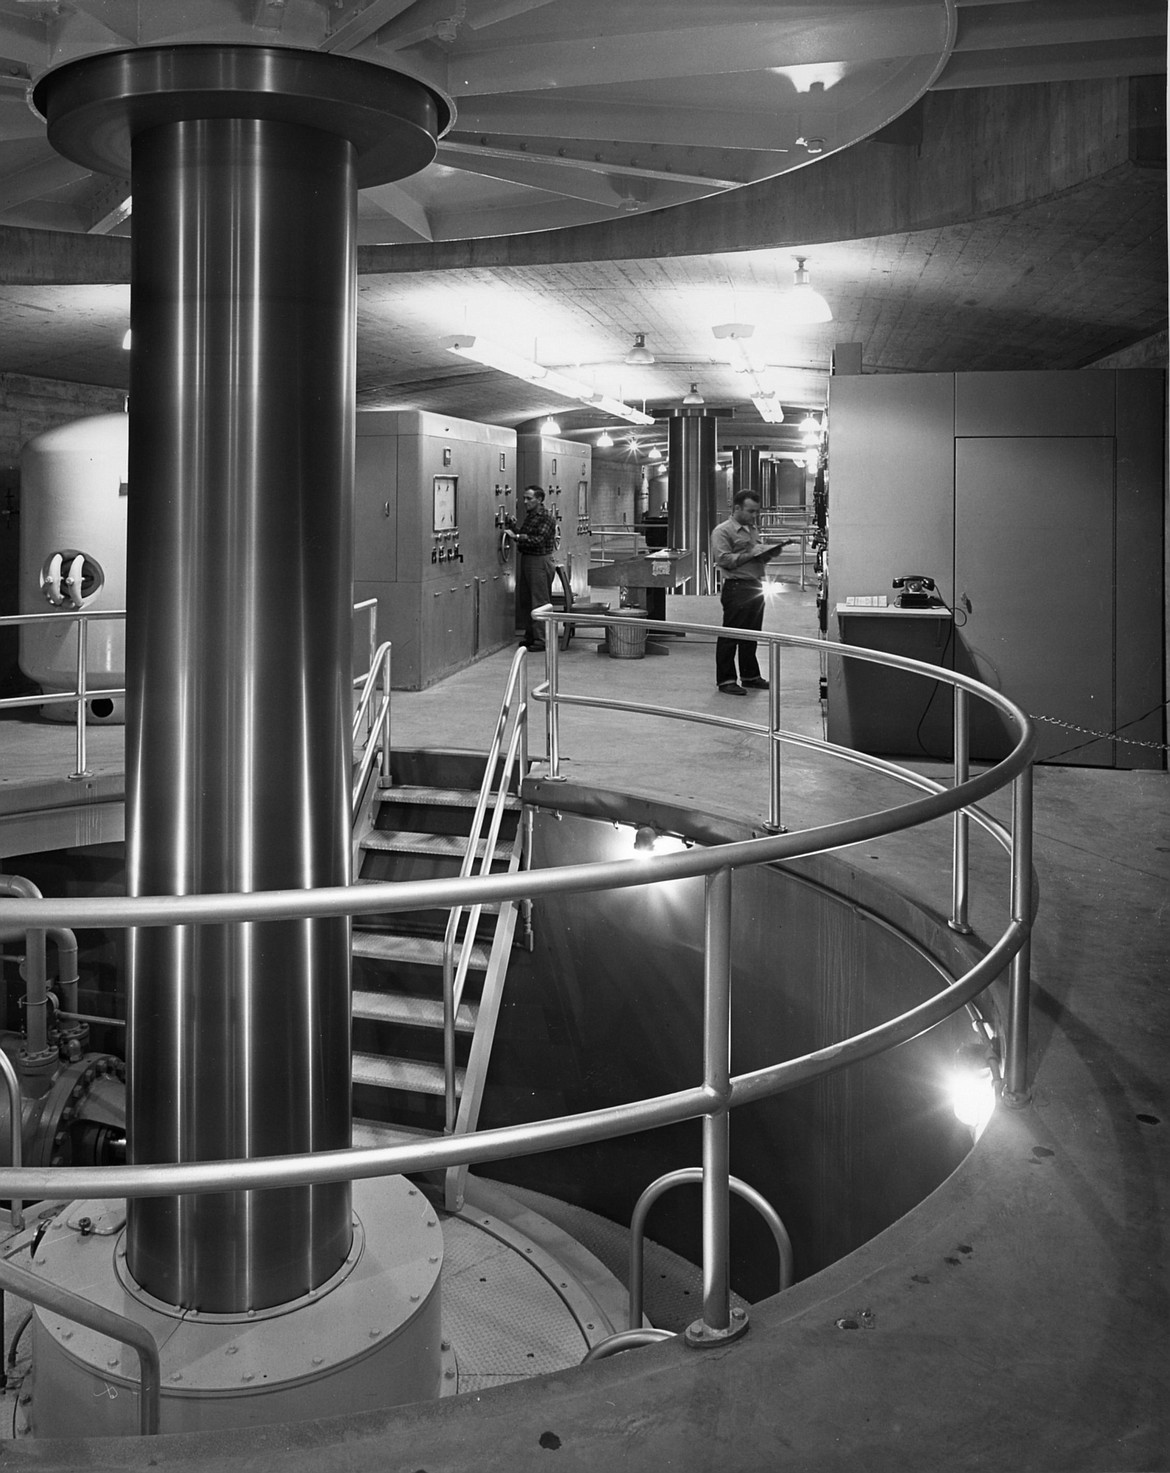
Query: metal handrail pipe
{"x": 65, "y": 1183}
{"x": 264, "y": 905}
{"x": 72, "y": 1306}
{"x": 625, "y": 1340}
{"x": 773, "y": 1079}
{"x": 717, "y": 1078}
{"x": 370, "y": 686}
{"x": 15, "y": 1133}
{"x": 1015, "y": 1081}
{"x": 690, "y": 1174}
{"x": 61, "y": 615}
{"x": 59, "y": 698}
{"x": 62, "y": 1184}
{"x": 797, "y": 739}
{"x": 960, "y": 844}
{"x": 453, "y": 983}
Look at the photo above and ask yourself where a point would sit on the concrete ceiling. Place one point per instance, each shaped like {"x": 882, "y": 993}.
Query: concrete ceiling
{"x": 614, "y": 169}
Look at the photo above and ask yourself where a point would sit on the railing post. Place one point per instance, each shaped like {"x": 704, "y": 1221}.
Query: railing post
{"x": 384, "y": 778}
{"x": 717, "y": 1325}
{"x": 82, "y": 670}
{"x": 552, "y": 711}
{"x": 1015, "y": 1073}
{"x": 960, "y": 844}
{"x": 775, "y": 747}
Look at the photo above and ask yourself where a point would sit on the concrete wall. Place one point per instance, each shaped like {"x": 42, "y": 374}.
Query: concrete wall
{"x": 1036, "y": 502}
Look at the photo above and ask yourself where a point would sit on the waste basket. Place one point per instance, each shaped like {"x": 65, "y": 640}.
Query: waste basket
{"x": 624, "y": 642}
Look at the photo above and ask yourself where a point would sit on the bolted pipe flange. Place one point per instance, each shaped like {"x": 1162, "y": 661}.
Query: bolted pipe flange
{"x": 700, "y": 1336}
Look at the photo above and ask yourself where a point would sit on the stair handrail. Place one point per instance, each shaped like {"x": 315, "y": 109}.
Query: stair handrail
{"x": 453, "y": 978}
{"x": 377, "y": 743}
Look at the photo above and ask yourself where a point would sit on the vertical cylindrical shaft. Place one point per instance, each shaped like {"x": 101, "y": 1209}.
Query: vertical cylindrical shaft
{"x": 717, "y": 1076}
{"x": 745, "y": 468}
{"x": 239, "y": 688}
{"x": 691, "y": 507}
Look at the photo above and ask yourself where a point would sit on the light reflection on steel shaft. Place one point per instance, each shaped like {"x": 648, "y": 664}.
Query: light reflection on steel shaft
{"x": 238, "y": 680}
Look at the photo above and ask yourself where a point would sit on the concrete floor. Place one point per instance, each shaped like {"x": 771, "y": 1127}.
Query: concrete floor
{"x": 1018, "y": 1318}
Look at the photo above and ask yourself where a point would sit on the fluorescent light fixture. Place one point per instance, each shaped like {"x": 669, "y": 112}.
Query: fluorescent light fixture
{"x": 639, "y": 355}
{"x": 768, "y": 407}
{"x": 618, "y": 409}
{"x": 803, "y": 306}
{"x": 491, "y": 355}
{"x": 694, "y": 397}
{"x": 550, "y": 427}
{"x": 604, "y": 440}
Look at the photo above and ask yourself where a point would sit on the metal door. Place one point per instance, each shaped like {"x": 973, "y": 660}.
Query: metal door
{"x": 1034, "y": 584}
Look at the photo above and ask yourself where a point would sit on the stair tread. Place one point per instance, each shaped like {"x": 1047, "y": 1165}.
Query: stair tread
{"x": 440, "y": 797}
{"x": 385, "y": 946}
{"x": 416, "y": 1012}
{"x": 387, "y": 1072}
{"x": 439, "y": 845}
{"x": 367, "y": 1133}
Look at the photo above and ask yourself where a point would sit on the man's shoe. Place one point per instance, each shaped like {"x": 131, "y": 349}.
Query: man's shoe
{"x": 534, "y": 645}
{"x": 732, "y": 689}
{"x": 756, "y": 682}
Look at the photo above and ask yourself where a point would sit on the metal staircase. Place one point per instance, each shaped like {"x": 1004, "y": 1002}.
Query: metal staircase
{"x": 427, "y": 983}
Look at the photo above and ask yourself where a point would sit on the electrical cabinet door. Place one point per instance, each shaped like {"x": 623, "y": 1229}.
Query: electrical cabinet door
{"x": 1033, "y": 594}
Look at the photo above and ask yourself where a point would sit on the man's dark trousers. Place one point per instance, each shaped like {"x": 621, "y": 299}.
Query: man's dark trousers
{"x": 533, "y": 591}
{"x": 743, "y": 608}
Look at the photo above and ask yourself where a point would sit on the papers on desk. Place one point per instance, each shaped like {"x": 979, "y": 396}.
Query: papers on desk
{"x": 867, "y": 601}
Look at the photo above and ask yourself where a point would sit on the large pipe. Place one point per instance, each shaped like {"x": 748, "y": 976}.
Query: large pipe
{"x": 244, "y": 168}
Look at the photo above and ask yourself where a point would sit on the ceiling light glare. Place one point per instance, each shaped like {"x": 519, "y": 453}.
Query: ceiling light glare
{"x": 640, "y": 355}
{"x": 803, "y": 307}
{"x": 126, "y": 341}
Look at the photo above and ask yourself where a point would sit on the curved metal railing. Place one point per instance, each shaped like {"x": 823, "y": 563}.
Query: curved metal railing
{"x": 717, "y": 1092}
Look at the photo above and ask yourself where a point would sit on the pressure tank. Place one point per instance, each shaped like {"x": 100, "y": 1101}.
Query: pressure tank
{"x": 73, "y": 555}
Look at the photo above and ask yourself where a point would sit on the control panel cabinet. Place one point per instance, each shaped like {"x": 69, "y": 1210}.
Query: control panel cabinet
{"x": 564, "y": 468}
{"x": 430, "y": 497}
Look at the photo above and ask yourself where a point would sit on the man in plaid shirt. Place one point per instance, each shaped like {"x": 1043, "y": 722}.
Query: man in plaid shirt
{"x": 535, "y": 539}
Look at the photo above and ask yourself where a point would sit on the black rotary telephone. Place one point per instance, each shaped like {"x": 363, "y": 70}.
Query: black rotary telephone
{"x": 916, "y": 591}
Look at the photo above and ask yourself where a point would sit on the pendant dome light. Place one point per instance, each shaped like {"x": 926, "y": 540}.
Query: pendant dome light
{"x": 803, "y": 306}
{"x": 604, "y": 440}
{"x": 550, "y": 427}
{"x": 694, "y": 397}
{"x": 639, "y": 355}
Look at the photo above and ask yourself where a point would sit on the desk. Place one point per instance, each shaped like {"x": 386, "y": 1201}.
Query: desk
{"x": 656, "y": 573}
{"x": 891, "y": 712}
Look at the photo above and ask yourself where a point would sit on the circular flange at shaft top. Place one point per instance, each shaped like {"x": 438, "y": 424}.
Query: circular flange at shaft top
{"x": 96, "y": 106}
